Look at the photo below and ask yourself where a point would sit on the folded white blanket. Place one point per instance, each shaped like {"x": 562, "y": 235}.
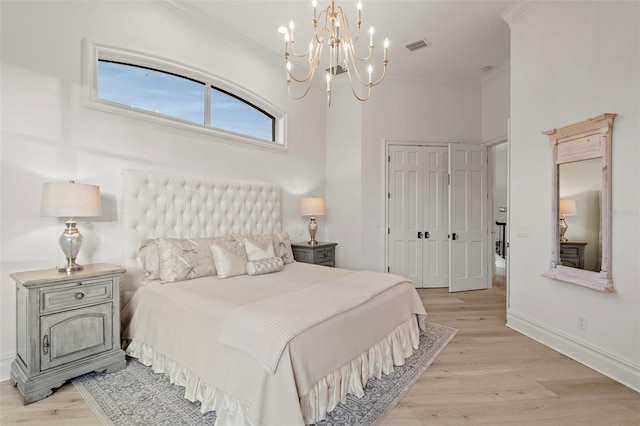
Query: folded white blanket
{"x": 264, "y": 328}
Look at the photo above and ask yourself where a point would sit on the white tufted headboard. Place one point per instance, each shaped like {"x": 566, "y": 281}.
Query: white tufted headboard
{"x": 156, "y": 205}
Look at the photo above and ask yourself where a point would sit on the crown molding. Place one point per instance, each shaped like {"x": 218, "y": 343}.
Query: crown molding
{"x": 184, "y": 10}
{"x": 516, "y": 11}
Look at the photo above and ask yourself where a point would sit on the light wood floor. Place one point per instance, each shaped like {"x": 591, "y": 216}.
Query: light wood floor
{"x": 489, "y": 374}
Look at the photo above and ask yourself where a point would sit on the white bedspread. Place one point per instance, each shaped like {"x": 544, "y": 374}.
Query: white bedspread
{"x": 264, "y": 328}
{"x": 176, "y": 327}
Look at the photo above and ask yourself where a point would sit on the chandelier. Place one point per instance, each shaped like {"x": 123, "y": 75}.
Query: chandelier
{"x": 334, "y": 29}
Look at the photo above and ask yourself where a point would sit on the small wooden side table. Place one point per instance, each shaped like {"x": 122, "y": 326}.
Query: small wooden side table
{"x": 68, "y": 324}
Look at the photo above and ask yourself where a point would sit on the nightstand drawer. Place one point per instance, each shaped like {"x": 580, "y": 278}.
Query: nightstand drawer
{"x": 80, "y": 294}
{"x": 569, "y": 250}
{"x": 324, "y": 255}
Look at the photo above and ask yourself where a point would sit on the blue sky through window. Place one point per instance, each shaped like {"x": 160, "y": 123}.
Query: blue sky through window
{"x": 151, "y": 90}
{"x": 179, "y": 97}
{"x": 230, "y": 113}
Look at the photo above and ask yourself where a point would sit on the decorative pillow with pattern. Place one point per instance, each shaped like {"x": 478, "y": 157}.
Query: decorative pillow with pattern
{"x": 258, "y": 246}
{"x": 178, "y": 259}
{"x": 282, "y": 247}
{"x": 230, "y": 258}
{"x": 265, "y": 266}
{"x": 184, "y": 259}
{"x": 148, "y": 255}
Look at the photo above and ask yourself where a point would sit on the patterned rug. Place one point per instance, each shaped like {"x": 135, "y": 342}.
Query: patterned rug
{"x": 138, "y": 396}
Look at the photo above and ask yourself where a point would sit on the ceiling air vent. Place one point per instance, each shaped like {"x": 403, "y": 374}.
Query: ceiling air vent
{"x": 337, "y": 70}
{"x": 417, "y": 45}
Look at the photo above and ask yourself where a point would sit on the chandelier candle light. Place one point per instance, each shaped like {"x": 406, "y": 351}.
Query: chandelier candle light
{"x": 336, "y": 32}
{"x": 70, "y": 200}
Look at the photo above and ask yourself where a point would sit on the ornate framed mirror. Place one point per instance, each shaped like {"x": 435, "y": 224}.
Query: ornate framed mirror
{"x": 581, "y": 203}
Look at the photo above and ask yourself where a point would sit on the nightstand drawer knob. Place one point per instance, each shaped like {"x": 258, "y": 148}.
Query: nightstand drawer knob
{"x": 79, "y": 295}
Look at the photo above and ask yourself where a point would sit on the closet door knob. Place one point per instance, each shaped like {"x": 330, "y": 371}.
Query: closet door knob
{"x": 419, "y": 234}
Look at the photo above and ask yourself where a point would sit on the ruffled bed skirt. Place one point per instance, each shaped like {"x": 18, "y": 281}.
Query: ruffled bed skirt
{"x": 326, "y": 394}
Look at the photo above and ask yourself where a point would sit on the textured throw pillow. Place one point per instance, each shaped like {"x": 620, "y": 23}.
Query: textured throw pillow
{"x": 184, "y": 259}
{"x": 148, "y": 255}
{"x": 230, "y": 258}
{"x": 259, "y": 246}
{"x": 282, "y": 246}
{"x": 265, "y": 266}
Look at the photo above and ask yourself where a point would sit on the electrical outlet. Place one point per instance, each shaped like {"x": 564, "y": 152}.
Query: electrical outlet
{"x": 582, "y": 322}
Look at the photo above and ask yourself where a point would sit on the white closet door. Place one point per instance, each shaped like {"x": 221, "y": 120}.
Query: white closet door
{"x": 406, "y": 180}
{"x": 468, "y": 195}
{"x": 435, "y": 253}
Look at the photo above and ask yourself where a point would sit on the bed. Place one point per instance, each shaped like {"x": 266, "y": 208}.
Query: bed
{"x": 280, "y": 347}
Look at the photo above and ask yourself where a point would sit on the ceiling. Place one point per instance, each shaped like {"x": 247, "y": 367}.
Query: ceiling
{"x": 463, "y": 36}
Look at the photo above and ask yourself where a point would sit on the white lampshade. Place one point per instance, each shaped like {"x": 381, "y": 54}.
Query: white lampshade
{"x": 70, "y": 200}
{"x": 312, "y": 207}
{"x": 568, "y": 208}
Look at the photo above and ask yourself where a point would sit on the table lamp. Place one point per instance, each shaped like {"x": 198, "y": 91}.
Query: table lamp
{"x": 70, "y": 200}
{"x": 312, "y": 207}
{"x": 567, "y": 208}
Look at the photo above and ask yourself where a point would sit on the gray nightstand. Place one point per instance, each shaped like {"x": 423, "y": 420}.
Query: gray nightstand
{"x": 68, "y": 324}
{"x": 572, "y": 253}
{"x": 318, "y": 254}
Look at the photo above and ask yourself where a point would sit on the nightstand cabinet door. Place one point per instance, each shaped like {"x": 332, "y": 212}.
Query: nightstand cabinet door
{"x": 73, "y": 335}
{"x": 67, "y": 324}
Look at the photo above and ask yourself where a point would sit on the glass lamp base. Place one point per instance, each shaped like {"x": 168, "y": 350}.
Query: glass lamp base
{"x": 70, "y": 242}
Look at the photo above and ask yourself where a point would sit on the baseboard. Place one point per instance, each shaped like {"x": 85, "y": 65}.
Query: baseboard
{"x": 610, "y": 365}
{"x": 5, "y": 366}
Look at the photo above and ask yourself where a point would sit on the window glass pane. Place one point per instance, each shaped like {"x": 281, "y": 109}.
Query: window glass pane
{"x": 151, "y": 90}
{"x": 236, "y": 115}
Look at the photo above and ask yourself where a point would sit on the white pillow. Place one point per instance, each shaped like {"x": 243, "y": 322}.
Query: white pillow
{"x": 282, "y": 246}
{"x": 148, "y": 255}
{"x": 184, "y": 259}
{"x": 230, "y": 258}
{"x": 259, "y": 246}
{"x": 265, "y": 266}
{"x": 203, "y": 262}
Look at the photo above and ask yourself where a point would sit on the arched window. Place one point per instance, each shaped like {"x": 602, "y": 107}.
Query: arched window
{"x": 154, "y": 89}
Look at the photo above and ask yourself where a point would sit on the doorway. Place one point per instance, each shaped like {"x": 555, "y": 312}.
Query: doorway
{"x": 498, "y": 180}
{"x": 437, "y": 233}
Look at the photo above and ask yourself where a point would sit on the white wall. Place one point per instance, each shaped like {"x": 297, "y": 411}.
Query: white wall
{"x": 495, "y": 103}
{"x": 47, "y": 134}
{"x": 429, "y": 111}
{"x": 344, "y": 171}
{"x": 571, "y": 61}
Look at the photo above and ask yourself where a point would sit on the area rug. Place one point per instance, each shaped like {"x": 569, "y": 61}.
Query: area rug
{"x": 138, "y": 396}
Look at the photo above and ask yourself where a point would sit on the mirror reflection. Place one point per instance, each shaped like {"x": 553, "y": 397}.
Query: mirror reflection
{"x": 580, "y": 196}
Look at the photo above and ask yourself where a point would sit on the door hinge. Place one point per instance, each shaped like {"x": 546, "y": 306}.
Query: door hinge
{"x": 389, "y": 195}
{"x": 389, "y": 158}
{"x": 388, "y": 269}
{"x": 388, "y": 230}
{"x": 448, "y": 178}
